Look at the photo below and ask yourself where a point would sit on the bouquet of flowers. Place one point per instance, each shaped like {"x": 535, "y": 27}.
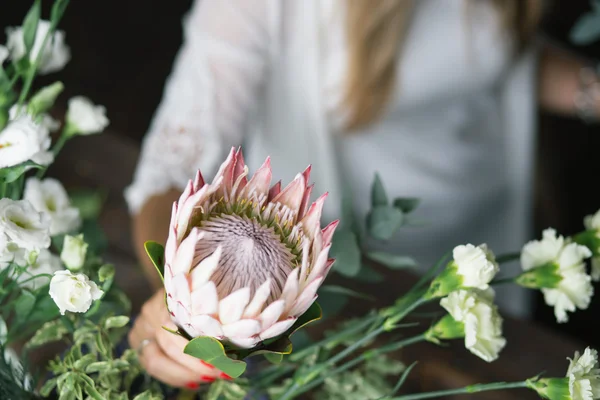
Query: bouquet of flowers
{"x": 243, "y": 265}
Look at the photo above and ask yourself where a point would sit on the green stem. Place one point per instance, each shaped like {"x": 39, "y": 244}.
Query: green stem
{"x": 58, "y": 146}
{"x": 363, "y": 357}
{"x": 483, "y": 387}
{"x": 502, "y": 281}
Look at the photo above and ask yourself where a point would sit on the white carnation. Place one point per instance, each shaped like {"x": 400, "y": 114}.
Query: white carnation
{"x": 23, "y": 225}
{"x": 575, "y": 289}
{"x": 475, "y": 264}
{"x": 22, "y": 140}
{"x": 73, "y": 292}
{"x": 584, "y": 376}
{"x": 49, "y": 196}
{"x": 483, "y": 324}
{"x": 592, "y": 222}
{"x": 86, "y": 118}
{"x": 54, "y": 56}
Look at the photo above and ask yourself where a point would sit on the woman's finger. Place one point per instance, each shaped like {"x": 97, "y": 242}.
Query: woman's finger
{"x": 160, "y": 366}
{"x": 172, "y": 345}
{"x": 140, "y": 331}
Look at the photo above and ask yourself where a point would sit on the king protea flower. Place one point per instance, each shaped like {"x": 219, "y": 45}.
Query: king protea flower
{"x": 244, "y": 260}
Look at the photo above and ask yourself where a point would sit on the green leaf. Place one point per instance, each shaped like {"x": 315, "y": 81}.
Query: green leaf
{"x": 24, "y": 305}
{"x": 116, "y": 322}
{"x": 344, "y": 291}
{"x": 11, "y": 174}
{"x": 51, "y": 331}
{"x": 84, "y": 361}
{"x": 346, "y": 251}
{"x": 94, "y": 236}
{"x": 156, "y": 252}
{"x": 210, "y": 350}
{"x": 92, "y": 392}
{"x": 99, "y": 366}
{"x": 392, "y": 261}
{"x": 30, "y": 24}
{"x": 274, "y": 358}
{"x": 88, "y": 202}
{"x": 48, "y": 387}
{"x": 368, "y": 274}
{"x": 378, "y": 194}
{"x": 384, "y": 221}
{"x": 403, "y": 378}
{"x": 586, "y": 29}
{"x": 58, "y": 10}
{"x": 406, "y": 204}
{"x": 314, "y": 313}
{"x": 44, "y": 99}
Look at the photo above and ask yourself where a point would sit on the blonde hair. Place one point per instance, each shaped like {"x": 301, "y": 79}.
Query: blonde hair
{"x": 376, "y": 30}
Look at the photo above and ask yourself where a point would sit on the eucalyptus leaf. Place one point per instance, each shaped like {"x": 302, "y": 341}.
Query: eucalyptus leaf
{"x": 30, "y": 24}
{"x": 368, "y": 274}
{"x": 346, "y": 251}
{"x": 332, "y": 304}
{"x": 392, "y": 261}
{"x": 210, "y": 350}
{"x": 587, "y": 29}
{"x": 156, "y": 252}
{"x": 379, "y": 196}
{"x": 384, "y": 221}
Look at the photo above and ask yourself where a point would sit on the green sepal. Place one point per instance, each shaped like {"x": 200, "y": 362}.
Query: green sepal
{"x": 156, "y": 252}
{"x": 445, "y": 283}
{"x": 551, "y": 388}
{"x": 11, "y": 174}
{"x": 445, "y": 328}
{"x": 589, "y": 239}
{"x": 211, "y": 351}
{"x": 544, "y": 276}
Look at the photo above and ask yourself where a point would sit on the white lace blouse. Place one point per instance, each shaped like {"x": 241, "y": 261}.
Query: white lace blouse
{"x": 269, "y": 75}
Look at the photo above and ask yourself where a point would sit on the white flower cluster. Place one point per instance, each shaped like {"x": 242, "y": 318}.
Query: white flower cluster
{"x": 584, "y": 376}
{"x": 592, "y": 224}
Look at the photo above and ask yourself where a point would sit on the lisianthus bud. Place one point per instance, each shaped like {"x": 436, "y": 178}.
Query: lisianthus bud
{"x": 44, "y": 98}
{"x": 73, "y": 252}
{"x": 557, "y": 267}
{"x": 74, "y": 293}
{"x": 85, "y": 118}
{"x": 472, "y": 267}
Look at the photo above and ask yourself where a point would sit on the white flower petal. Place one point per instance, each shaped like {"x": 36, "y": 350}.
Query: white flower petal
{"x": 232, "y": 307}
{"x": 258, "y": 301}
{"x": 246, "y": 343}
{"x": 306, "y": 298}
{"x": 291, "y": 289}
{"x": 243, "y": 328}
{"x": 207, "y": 326}
{"x": 205, "y": 269}
{"x": 205, "y": 299}
{"x": 278, "y": 328}
{"x": 271, "y": 314}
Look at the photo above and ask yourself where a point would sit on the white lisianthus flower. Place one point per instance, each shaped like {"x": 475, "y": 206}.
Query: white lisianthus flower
{"x": 557, "y": 267}
{"x": 45, "y": 121}
{"x": 45, "y": 263}
{"x": 73, "y": 252}
{"x": 73, "y": 292}
{"x": 22, "y": 140}
{"x": 476, "y": 311}
{"x": 592, "y": 224}
{"x": 472, "y": 267}
{"x": 54, "y": 56}
{"x": 49, "y": 196}
{"x": 85, "y": 118}
{"x": 3, "y": 54}
{"x": 23, "y": 225}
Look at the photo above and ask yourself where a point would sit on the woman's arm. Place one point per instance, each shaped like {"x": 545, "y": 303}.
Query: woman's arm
{"x": 560, "y": 81}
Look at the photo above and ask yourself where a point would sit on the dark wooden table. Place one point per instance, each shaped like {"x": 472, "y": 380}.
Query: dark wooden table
{"x": 107, "y": 161}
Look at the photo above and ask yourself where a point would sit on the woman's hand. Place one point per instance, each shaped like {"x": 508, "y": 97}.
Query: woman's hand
{"x": 161, "y": 352}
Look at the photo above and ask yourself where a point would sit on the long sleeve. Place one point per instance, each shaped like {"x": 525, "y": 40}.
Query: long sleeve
{"x": 215, "y": 81}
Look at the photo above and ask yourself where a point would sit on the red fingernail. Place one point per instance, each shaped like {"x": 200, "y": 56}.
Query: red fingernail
{"x": 207, "y": 379}
{"x": 192, "y": 385}
{"x": 207, "y": 364}
{"x": 223, "y": 375}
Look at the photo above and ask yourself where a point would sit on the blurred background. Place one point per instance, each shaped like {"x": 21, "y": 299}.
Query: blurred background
{"x": 123, "y": 51}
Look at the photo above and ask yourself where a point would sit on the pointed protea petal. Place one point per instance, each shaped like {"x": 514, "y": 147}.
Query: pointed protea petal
{"x": 207, "y": 325}
{"x": 318, "y": 268}
{"x": 306, "y": 298}
{"x": 186, "y": 210}
{"x": 258, "y": 301}
{"x": 271, "y": 314}
{"x": 328, "y": 232}
{"x": 205, "y": 299}
{"x": 245, "y": 343}
{"x": 305, "y": 202}
{"x": 239, "y": 170}
{"x": 290, "y": 290}
{"x": 243, "y": 328}
{"x": 293, "y": 194}
{"x": 181, "y": 313}
{"x": 312, "y": 219}
{"x": 185, "y": 253}
{"x": 172, "y": 242}
{"x": 232, "y": 307}
{"x": 260, "y": 181}
{"x": 198, "y": 181}
{"x": 202, "y": 273}
{"x": 274, "y": 191}
{"x": 180, "y": 289}
{"x": 226, "y": 167}
{"x": 278, "y": 328}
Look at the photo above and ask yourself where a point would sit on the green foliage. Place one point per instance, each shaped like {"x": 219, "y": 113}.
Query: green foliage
{"x": 587, "y": 29}
{"x": 212, "y": 351}
{"x": 12, "y": 174}
{"x": 346, "y": 251}
{"x": 156, "y": 252}
{"x": 30, "y": 24}
{"x": 392, "y": 261}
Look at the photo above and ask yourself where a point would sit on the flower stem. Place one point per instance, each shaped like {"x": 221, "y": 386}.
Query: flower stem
{"x": 503, "y": 281}
{"x": 482, "y": 387}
